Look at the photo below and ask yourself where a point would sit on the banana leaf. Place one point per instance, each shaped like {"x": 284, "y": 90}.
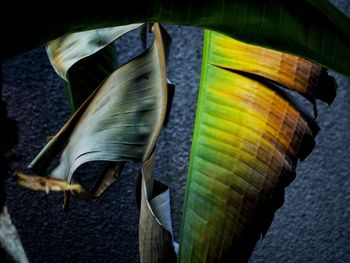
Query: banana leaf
{"x": 87, "y": 74}
{"x": 309, "y": 29}
{"x": 85, "y": 59}
{"x": 120, "y": 121}
{"x": 9, "y": 238}
{"x": 69, "y": 49}
{"x": 308, "y": 79}
{"x": 127, "y": 113}
{"x": 156, "y": 242}
{"x": 249, "y": 135}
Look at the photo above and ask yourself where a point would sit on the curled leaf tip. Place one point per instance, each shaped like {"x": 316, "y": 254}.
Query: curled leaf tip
{"x": 328, "y": 87}
{"x": 39, "y": 183}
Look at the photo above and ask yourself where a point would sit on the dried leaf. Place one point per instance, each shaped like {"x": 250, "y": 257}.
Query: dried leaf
{"x": 120, "y": 121}
{"x": 156, "y": 243}
{"x": 9, "y": 238}
{"x": 68, "y": 49}
{"x": 39, "y": 183}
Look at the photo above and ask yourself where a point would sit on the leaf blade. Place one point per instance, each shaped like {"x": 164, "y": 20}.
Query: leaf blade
{"x": 280, "y": 25}
{"x": 247, "y": 140}
{"x": 68, "y": 49}
{"x": 120, "y": 121}
{"x": 155, "y": 230}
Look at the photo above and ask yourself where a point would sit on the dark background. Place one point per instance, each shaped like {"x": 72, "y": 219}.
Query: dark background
{"x": 312, "y": 226}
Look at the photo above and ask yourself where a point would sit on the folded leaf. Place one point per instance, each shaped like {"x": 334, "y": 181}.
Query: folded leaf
{"x": 68, "y": 49}
{"x": 155, "y": 230}
{"x": 85, "y": 59}
{"x": 120, "y": 121}
{"x": 87, "y": 74}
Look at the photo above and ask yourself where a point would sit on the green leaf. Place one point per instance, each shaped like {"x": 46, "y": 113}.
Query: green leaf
{"x": 248, "y": 137}
{"x": 333, "y": 14}
{"x": 319, "y": 33}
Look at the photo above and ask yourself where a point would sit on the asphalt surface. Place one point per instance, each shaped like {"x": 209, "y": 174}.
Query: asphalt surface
{"x": 312, "y": 226}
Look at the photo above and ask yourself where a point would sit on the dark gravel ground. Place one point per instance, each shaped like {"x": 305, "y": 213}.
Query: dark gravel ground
{"x": 312, "y": 226}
